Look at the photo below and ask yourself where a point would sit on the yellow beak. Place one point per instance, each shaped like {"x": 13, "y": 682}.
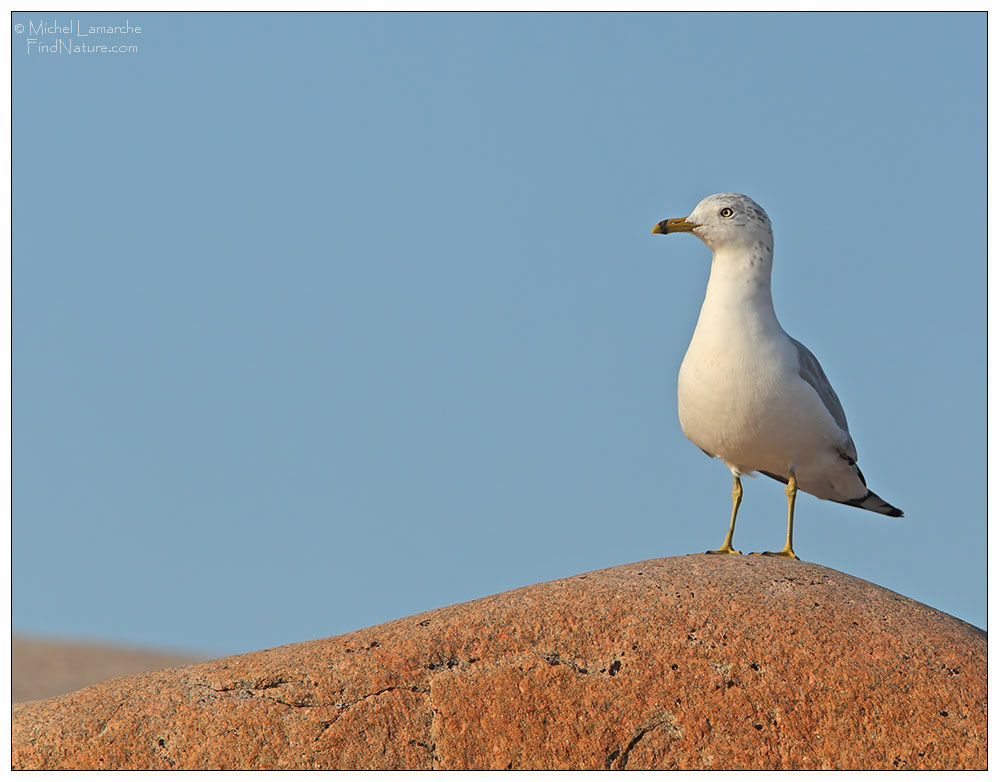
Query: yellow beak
{"x": 675, "y": 225}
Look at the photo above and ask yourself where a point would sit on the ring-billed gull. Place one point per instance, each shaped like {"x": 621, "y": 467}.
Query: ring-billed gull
{"x": 747, "y": 392}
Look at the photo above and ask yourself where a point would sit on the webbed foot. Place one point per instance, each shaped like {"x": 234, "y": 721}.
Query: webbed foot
{"x": 786, "y": 553}
{"x": 724, "y": 550}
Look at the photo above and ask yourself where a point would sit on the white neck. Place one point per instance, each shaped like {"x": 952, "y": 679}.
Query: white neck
{"x": 739, "y": 287}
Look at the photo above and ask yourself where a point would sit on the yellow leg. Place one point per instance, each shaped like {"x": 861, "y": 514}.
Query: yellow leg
{"x": 726, "y": 547}
{"x": 791, "y": 491}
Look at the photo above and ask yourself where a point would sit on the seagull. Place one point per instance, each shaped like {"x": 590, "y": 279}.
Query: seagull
{"x": 748, "y": 393}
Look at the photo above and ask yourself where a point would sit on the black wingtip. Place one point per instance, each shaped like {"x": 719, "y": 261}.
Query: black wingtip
{"x": 873, "y": 502}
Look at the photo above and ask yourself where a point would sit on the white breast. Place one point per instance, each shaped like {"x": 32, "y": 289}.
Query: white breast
{"x": 739, "y": 393}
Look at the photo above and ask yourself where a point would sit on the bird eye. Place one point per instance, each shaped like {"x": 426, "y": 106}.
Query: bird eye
{"x": 726, "y": 212}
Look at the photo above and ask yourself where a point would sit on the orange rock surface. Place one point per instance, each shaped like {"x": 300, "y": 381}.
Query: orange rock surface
{"x": 690, "y": 662}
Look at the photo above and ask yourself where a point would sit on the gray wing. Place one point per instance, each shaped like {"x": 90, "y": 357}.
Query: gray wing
{"x": 811, "y": 372}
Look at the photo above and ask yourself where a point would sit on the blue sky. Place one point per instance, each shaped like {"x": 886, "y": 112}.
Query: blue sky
{"x": 319, "y": 321}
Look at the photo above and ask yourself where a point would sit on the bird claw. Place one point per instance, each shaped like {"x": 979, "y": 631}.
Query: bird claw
{"x": 724, "y": 550}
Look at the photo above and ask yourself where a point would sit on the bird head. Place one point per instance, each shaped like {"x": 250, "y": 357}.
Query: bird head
{"x": 723, "y": 219}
